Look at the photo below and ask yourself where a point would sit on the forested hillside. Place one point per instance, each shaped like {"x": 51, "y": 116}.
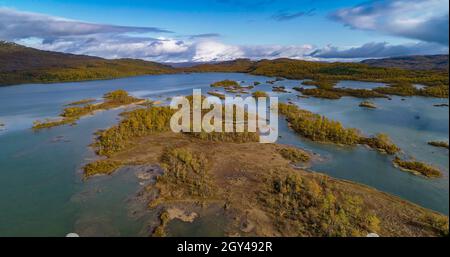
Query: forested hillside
{"x": 20, "y": 64}
{"x": 417, "y": 62}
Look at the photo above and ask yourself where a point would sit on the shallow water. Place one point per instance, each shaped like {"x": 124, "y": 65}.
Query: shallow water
{"x": 42, "y": 194}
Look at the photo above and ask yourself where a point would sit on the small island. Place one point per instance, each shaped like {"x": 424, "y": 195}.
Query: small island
{"x": 70, "y": 115}
{"x": 321, "y": 129}
{"x": 440, "y": 105}
{"x": 281, "y": 89}
{"x": 82, "y": 102}
{"x": 257, "y": 94}
{"x": 442, "y": 144}
{"x": 219, "y": 95}
{"x": 417, "y": 168}
{"x": 367, "y": 104}
{"x": 228, "y": 84}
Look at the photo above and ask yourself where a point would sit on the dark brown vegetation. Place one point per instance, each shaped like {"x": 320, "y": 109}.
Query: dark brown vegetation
{"x": 280, "y": 89}
{"x": 439, "y": 144}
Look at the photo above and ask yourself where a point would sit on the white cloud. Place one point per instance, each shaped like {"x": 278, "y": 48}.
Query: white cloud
{"x": 425, "y": 20}
{"x": 16, "y": 25}
{"x": 378, "y": 50}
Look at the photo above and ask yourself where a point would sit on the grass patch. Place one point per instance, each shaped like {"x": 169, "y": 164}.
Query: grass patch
{"x": 294, "y": 155}
{"x": 185, "y": 177}
{"x": 104, "y": 167}
{"x": 312, "y": 207}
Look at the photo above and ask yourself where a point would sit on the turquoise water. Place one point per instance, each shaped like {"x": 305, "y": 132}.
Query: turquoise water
{"x": 42, "y": 193}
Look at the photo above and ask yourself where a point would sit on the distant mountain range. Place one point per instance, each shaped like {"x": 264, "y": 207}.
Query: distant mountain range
{"x": 416, "y": 62}
{"x": 20, "y": 64}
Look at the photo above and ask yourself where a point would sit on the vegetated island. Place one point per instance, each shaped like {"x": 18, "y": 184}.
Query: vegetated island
{"x": 82, "y": 102}
{"x": 442, "y": 144}
{"x": 319, "y": 128}
{"x": 232, "y": 86}
{"x": 71, "y": 114}
{"x": 253, "y": 188}
{"x": 258, "y": 93}
{"x": 280, "y": 89}
{"x": 368, "y": 104}
{"x": 417, "y": 168}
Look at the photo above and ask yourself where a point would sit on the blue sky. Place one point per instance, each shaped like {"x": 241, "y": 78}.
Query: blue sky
{"x": 227, "y": 29}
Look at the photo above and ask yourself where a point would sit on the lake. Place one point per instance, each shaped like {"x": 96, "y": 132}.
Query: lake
{"x": 41, "y": 188}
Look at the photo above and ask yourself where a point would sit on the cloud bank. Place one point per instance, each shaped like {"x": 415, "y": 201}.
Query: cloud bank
{"x": 425, "y": 20}
{"x": 379, "y": 50}
{"x": 18, "y": 25}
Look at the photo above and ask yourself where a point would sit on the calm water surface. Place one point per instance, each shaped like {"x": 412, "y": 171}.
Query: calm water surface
{"x": 42, "y": 193}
